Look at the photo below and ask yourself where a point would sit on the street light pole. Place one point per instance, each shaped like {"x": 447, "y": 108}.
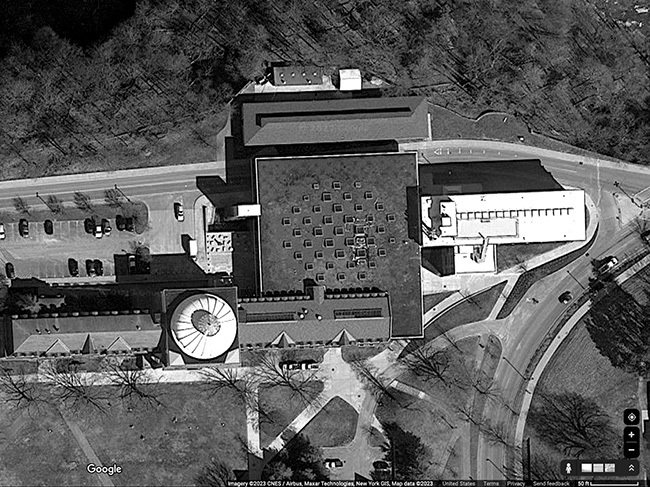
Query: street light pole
{"x": 123, "y": 194}
{"x": 515, "y": 368}
{"x": 39, "y": 197}
{"x": 574, "y": 278}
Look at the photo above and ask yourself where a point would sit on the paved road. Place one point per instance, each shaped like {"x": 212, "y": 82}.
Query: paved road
{"x": 524, "y": 330}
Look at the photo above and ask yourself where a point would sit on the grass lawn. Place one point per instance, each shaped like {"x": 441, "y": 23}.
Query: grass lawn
{"x": 517, "y": 254}
{"x": 164, "y": 446}
{"x": 423, "y": 420}
{"x": 431, "y": 300}
{"x": 453, "y": 467}
{"x": 351, "y": 353}
{"x": 281, "y": 408}
{"x": 579, "y": 367}
{"x": 334, "y": 425}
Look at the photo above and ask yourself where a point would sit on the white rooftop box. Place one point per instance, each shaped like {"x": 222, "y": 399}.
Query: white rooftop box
{"x": 350, "y": 79}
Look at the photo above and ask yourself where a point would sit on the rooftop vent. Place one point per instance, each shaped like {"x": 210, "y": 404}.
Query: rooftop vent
{"x": 336, "y": 185}
{"x": 371, "y": 242}
{"x": 305, "y": 197}
{"x": 381, "y": 229}
{"x": 392, "y": 240}
{"x": 318, "y": 254}
{"x": 347, "y": 196}
{"x": 328, "y": 220}
{"x": 318, "y": 231}
{"x": 337, "y": 208}
{"x": 362, "y": 276}
{"x": 357, "y": 184}
{"x": 358, "y": 207}
{"x": 379, "y": 206}
{"x": 316, "y": 209}
{"x": 297, "y": 255}
{"x": 327, "y": 196}
{"x": 315, "y": 186}
{"x": 372, "y": 264}
{"x": 329, "y": 265}
{"x": 328, "y": 243}
{"x": 349, "y": 241}
{"x": 297, "y": 232}
{"x": 308, "y": 244}
{"x": 367, "y": 195}
{"x": 286, "y": 244}
{"x": 348, "y": 219}
{"x": 339, "y": 254}
{"x": 306, "y": 220}
{"x": 390, "y": 217}
{"x": 339, "y": 231}
{"x": 320, "y": 277}
{"x": 340, "y": 276}
{"x": 351, "y": 264}
{"x": 286, "y": 221}
{"x": 309, "y": 266}
{"x": 295, "y": 210}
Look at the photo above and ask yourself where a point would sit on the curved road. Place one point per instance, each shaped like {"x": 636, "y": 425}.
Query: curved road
{"x": 523, "y": 331}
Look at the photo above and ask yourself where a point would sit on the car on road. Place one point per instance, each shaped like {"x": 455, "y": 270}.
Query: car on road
{"x": 607, "y": 264}
{"x": 99, "y": 267}
{"x": 89, "y": 225}
{"x": 178, "y": 211}
{"x": 289, "y": 365}
{"x": 98, "y": 230}
{"x": 120, "y": 222}
{"x": 10, "y": 272}
{"x": 129, "y": 224}
{"x": 90, "y": 268}
{"x": 2, "y": 231}
{"x": 646, "y": 236}
{"x": 49, "y": 227}
{"x": 106, "y": 227}
{"x": 565, "y": 297}
{"x": 23, "y": 228}
{"x": 331, "y": 463}
{"x": 73, "y": 267}
{"x": 380, "y": 465}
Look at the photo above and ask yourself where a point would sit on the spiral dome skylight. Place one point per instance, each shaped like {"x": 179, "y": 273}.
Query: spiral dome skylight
{"x": 204, "y": 326}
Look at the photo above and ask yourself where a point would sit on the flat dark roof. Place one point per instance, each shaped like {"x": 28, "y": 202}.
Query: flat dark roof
{"x": 486, "y": 177}
{"x": 334, "y": 120}
{"x": 341, "y": 221}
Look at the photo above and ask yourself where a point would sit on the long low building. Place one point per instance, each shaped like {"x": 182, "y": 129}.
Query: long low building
{"x": 319, "y": 121}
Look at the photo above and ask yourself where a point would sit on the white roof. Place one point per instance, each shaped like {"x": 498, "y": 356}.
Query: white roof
{"x": 542, "y": 216}
{"x": 204, "y": 326}
{"x": 350, "y": 79}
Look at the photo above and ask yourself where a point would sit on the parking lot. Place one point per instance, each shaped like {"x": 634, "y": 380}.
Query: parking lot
{"x": 44, "y": 256}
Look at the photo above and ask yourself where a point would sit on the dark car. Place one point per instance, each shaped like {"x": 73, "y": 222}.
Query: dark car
{"x": 380, "y": 465}
{"x": 89, "y": 226}
{"x": 131, "y": 264}
{"x": 565, "y": 297}
{"x": 9, "y": 270}
{"x": 23, "y": 228}
{"x": 73, "y": 267}
{"x": 90, "y": 268}
{"x": 99, "y": 267}
{"x": 49, "y": 227}
{"x": 106, "y": 227}
{"x": 129, "y": 224}
{"x": 120, "y": 222}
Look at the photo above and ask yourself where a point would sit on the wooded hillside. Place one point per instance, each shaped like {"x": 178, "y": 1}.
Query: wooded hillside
{"x": 133, "y": 85}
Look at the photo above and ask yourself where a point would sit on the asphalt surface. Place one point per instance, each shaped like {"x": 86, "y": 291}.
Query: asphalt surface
{"x": 524, "y": 330}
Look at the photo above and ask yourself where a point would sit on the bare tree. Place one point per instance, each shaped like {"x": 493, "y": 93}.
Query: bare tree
{"x": 373, "y": 379}
{"x": 73, "y": 388}
{"x": 83, "y": 202}
{"x": 302, "y": 384}
{"x": 544, "y": 467}
{"x": 113, "y": 198}
{"x": 215, "y": 474}
{"x": 427, "y": 364}
{"x": 135, "y": 385}
{"x": 21, "y": 205}
{"x": 466, "y": 411}
{"x": 55, "y": 205}
{"x": 20, "y": 392}
{"x": 243, "y": 385}
{"x": 495, "y": 433}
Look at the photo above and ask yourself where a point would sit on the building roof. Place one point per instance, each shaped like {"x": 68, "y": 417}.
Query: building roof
{"x": 334, "y": 120}
{"x": 293, "y": 75}
{"x": 37, "y": 335}
{"x": 279, "y": 323}
{"x": 538, "y": 216}
{"x": 76, "y": 343}
{"x": 340, "y": 221}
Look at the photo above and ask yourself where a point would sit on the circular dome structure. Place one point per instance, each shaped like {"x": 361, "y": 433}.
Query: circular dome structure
{"x": 204, "y": 326}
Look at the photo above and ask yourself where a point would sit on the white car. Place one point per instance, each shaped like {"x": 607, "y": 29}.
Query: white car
{"x": 178, "y": 211}
{"x": 608, "y": 264}
{"x": 2, "y": 231}
{"x": 98, "y": 230}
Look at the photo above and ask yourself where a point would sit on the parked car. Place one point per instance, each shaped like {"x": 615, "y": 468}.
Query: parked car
{"x": 309, "y": 365}
{"x": 10, "y": 272}
{"x": 99, "y": 267}
{"x": 120, "y": 222}
{"x": 380, "y": 465}
{"x": 23, "y": 228}
{"x": 98, "y": 230}
{"x": 73, "y": 267}
{"x": 90, "y": 268}
{"x": 646, "y": 236}
{"x": 178, "y": 211}
{"x": 129, "y": 224}
{"x": 608, "y": 264}
{"x": 333, "y": 463}
{"x": 289, "y": 365}
{"x": 106, "y": 227}
{"x": 2, "y": 231}
{"x": 89, "y": 225}
{"x": 565, "y": 297}
{"x": 48, "y": 226}
{"x": 131, "y": 264}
